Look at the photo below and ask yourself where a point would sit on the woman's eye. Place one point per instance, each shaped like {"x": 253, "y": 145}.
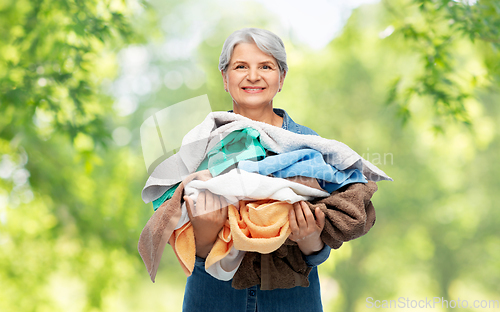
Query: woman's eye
{"x": 240, "y": 66}
{"x": 266, "y": 67}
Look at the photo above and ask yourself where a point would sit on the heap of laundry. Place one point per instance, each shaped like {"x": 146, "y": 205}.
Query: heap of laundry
{"x": 261, "y": 170}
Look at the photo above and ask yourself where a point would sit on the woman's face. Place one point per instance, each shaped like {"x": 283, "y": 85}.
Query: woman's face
{"x": 252, "y": 77}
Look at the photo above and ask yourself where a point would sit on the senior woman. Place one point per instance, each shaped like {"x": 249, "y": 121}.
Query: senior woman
{"x": 253, "y": 67}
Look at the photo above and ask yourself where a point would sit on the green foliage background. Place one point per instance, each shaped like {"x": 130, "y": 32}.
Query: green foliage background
{"x": 412, "y": 86}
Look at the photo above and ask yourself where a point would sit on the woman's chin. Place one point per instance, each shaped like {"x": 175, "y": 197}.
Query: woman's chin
{"x": 253, "y": 105}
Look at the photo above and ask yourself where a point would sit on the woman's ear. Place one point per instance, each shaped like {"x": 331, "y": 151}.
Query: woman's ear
{"x": 224, "y": 80}
{"x": 282, "y": 79}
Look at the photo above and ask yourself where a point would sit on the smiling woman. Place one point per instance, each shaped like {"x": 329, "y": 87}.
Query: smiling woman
{"x": 256, "y": 213}
{"x": 253, "y": 67}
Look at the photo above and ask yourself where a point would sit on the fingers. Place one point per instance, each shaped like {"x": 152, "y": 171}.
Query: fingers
{"x": 294, "y": 227}
{"x": 204, "y": 175}
{"x": 207, "y": 203}
{"x": 216, "y": 203}
{"x": 224, "y": 206}
{"x": 200, "y": 204}
{"x": 308, "y": 214}
{"x": 301, "y": 221}
{"x": 305, "y": 217}
{"x": 320, "y": 218}
{"x": 189, "y": 206}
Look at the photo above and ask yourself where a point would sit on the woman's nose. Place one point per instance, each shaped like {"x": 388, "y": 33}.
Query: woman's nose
{"x": 253, "y": 75}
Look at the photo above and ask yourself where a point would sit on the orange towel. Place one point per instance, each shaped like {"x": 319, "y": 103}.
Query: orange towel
{"x": 185, "y": 248}
{"x": 221, "y": 247}
{"x": 260, "y": 226}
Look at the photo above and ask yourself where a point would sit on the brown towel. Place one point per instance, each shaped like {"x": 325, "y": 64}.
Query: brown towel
{"x": 349, "y": 214}
{"x": 160, "y": 227}
{"x": 283, "y": 268}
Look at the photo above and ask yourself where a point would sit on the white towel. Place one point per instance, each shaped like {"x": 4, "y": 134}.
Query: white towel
{"x": 225, "y": 268}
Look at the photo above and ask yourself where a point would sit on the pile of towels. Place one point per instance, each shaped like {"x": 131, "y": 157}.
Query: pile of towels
{"x": 261, "y": 170}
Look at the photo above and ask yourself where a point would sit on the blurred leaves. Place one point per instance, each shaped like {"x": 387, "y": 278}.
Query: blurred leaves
{"x": 50, "y": 52}
{"x": 70, "y": 206}
{"x": 56, "y": 222}
{"x": 435, "y": 29}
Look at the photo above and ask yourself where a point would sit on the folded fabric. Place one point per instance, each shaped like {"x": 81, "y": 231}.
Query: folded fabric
{"x": 237, "y": 185}
{"x": 217, "y": 125}
{"x": 225, "y": 268}
{"x": 304, "y": 162}
{"x": 159, "y": 228}
{"x": 238, "y": 145}
{"x": 167, "y": 195}
{"x": 349, "y": 214}
{"x": 184, "y": 246}
{"x": 260, "y": 226}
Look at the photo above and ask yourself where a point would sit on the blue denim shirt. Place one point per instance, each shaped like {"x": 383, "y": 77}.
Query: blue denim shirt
{"x": 290, "y": 125}
{"x": 205, "y": 293}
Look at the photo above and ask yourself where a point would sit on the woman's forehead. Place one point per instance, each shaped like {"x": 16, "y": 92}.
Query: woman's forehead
{"x": 244, "y": 52}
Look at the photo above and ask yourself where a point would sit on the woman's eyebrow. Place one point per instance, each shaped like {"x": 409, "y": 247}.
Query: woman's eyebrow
{"x": 245, "y": 62}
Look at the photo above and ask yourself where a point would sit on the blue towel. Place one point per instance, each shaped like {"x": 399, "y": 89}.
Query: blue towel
{"x": 307, "y": 163}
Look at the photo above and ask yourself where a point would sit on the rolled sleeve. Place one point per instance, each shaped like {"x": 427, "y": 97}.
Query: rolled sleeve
{"x": 319, "y": 257}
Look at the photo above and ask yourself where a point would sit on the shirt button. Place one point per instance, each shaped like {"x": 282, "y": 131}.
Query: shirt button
{"x": 252, "y": 293}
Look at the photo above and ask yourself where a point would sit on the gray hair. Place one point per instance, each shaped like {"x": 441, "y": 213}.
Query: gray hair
{"x": 265, "y": 40}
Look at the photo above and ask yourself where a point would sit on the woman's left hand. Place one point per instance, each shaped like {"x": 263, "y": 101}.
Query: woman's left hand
{"x": 306, "y": 230}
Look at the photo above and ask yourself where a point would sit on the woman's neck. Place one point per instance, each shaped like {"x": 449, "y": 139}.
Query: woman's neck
{"x": 262, "y": 114}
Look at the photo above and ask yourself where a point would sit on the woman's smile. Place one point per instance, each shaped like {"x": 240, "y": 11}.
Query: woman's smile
{"x": 253, "y": 89}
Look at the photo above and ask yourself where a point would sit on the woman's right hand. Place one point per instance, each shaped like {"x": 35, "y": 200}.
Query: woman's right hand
{"x": 207, "y": 217}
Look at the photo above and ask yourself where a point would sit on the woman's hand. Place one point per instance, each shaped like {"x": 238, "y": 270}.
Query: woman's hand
{"x": 207, "y": 217}
{"x": 306, "y": 230}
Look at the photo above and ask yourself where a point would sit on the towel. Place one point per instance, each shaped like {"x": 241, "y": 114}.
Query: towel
{"x": 260, "y": 226}
{"x": 237, "y": 185}
{"x": 185, "y": 247}
{"x": 225, "y": 268}
{"x": 159, "y": 228}
{"x": 217, "y": 125}
{"x": 304, "y": 162}
{"x": 349, "y": 214}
